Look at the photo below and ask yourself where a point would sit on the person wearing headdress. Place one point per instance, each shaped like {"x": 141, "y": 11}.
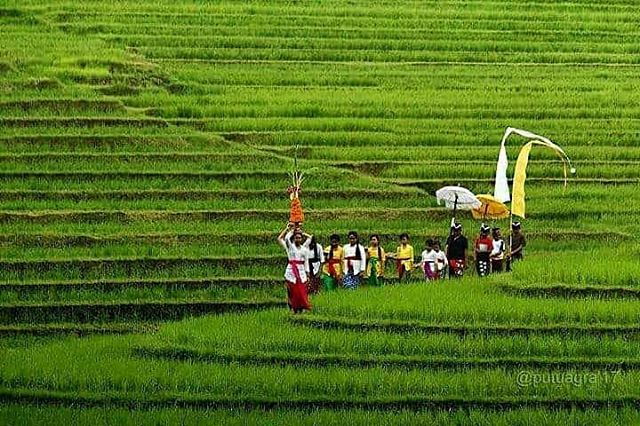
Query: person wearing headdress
{"x": 518, "y": 242}
{"x": 456, "y": 251}
{"x": 297, "y": 272}
{"x": 355, "y": 262}
{"x": 483, "y": 247}
{"x": 316, "y": 259}
{"x": 332, "y": 272}
{"x": 376, "y": 258}
{"x": 497, "y": 254}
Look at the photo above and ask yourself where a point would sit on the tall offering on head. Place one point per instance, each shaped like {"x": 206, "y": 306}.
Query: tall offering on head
{"x": 296, "y": 215}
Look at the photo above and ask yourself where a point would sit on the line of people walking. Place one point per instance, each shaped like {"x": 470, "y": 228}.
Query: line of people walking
{"x": 312, "y": 267}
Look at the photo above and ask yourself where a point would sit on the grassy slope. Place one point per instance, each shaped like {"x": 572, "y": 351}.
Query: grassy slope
{"x": 153, "y": 113}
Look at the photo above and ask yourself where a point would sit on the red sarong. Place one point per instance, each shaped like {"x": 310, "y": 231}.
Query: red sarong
{"x": 297, "y": 292}
{"x": 298, "y": 298}
{"x": 332, "y": 268}
{"x": 399, "y": 265}
{"x": 456, "y": 267}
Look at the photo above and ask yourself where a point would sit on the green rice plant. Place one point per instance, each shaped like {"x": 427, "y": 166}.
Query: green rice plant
{"x": 126, "y": 416}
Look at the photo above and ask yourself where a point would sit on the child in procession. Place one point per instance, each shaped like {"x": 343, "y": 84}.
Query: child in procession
{"x": 441, "y": 260}
{"x": 376, "y": 258}
{"x": 428, "y": 261}
{"x": 404, "y": 258}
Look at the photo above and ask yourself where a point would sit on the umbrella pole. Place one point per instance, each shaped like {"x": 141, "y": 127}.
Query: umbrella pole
{"x": 508, "y": 268}
{"x": 455, "y": 207}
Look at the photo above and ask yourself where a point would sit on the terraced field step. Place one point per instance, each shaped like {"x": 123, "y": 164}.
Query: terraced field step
{"x": 106, "y": 175}
{"x": 75, "y": 329}
{"x": 195, "y": 194}
{"x": 118, "y": 311}
{"x": 58, "y": 240}
{"x": 363, "y": 361}
{"x": 397, "y": 326}
{"x": 125, "y": 29}
{"x": 123, "y": 141}
{"x": 63, "y": 105}
{"x": 13, "y": 122}
{"x": 570, "y": 290}
{"x": 127, "y": 216}
{"x": 43, "y": 397}
{"x": 110, "y": 285}
{"x": 125, "y": 265}
{"x": 57, "y": 216}
{"x": 432, "y": 185}
{"x": 129, "y": 156}
{"x": 412, "y": 149}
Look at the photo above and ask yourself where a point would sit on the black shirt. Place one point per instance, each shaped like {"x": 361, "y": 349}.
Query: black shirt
{"x": 517, "y": 241}
{"x": 456, "y": 247}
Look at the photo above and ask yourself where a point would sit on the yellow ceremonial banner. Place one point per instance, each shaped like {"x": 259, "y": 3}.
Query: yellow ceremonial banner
{"x": 520, "y": 175}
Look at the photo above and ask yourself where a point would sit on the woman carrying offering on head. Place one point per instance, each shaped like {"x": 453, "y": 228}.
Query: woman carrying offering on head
{"x": 297, "y": 271}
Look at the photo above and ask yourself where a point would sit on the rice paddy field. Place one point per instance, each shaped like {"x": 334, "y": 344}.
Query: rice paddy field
{"x": 144, "y": 156}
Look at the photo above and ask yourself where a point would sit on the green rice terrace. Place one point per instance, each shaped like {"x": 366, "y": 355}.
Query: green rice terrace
{"x": 145, "y": 151}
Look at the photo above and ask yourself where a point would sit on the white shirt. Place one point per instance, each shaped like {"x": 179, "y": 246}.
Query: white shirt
{"x": 359, "y": 265}
{"x": 316, "y": 265}
{"x": 441, "y": 259}
{"x": 295, "y": 253}
{"x": 498, "y": 249}
{"x": 429, "y": 259}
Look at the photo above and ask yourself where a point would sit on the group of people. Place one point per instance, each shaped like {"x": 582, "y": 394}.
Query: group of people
{"x": 312, "y": 266}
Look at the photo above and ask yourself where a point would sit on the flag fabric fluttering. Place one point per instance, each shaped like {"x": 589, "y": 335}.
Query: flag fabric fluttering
{"x": 519, "y": 176}
{"x": 501, "y": 190}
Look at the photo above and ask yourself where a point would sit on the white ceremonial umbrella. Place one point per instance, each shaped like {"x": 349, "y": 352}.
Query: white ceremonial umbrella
{"x": 457, "y": 198}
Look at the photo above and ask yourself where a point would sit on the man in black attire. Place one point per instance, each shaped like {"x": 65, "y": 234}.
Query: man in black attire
{"x": 517, "y": 244}
{"x": 456, "y": 251}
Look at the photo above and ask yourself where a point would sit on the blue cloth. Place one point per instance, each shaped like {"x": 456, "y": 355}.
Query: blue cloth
{"x": 351, "y": 281}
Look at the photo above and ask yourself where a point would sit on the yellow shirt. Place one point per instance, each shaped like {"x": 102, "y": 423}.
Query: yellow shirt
{"x": 371, "y": 253}
{"x": 405, "y": 255}
{"x": 336, "y": 260}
